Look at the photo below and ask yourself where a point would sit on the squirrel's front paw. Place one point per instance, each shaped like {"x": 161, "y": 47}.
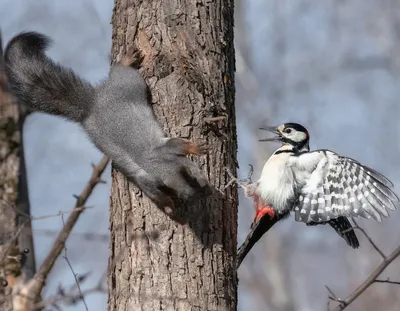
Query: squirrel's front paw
{"x": 195, "y": 148}
{"x": 182, "y": 146}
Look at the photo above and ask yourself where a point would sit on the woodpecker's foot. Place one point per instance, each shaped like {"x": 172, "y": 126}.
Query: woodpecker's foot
{"x": 242, "y": 183}
{"x": 251, "y": 171}
{"x": 261, "y": 212}
{"x": 247, "y": 181}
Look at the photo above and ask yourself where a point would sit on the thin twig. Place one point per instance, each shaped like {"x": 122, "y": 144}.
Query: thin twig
{"x": 332, "y": 297}
{"x": 58, "y": 246}
{"x": 65, "y": 297}
{"x": 82, "y": 297}
{"x": 331, "y": 292}
{"x": 369, "y": 239}
{"x": 58, "y": 214}
{"x": 373, "y": 276}
{"x": 89, "y": 236}
{"x": 61, "y": 213}
{"x": 387, "y": 281}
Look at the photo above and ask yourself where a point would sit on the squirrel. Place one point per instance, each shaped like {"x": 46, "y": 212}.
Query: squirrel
{"x": 116, "y": 115}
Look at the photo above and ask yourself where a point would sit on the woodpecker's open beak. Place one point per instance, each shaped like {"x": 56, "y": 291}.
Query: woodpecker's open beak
{"x": 272, "y": 129}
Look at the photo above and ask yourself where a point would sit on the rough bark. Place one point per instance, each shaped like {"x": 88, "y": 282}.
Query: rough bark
{"x": 9, "y": 163}
{"x": 156, "y": 263}
{"x": 13, "y": 188}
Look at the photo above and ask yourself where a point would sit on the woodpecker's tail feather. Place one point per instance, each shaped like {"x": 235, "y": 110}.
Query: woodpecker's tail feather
{"x": 256, "y": 232}
{"x": 343, "y": 227}
{"x": 43, "y": 85}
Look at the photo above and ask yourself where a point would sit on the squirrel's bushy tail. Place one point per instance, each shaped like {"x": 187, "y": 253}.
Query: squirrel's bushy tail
{"x": 43, "y": 85}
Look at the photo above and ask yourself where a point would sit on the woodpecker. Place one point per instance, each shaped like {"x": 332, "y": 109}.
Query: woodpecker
{"x": 320, "y": 187}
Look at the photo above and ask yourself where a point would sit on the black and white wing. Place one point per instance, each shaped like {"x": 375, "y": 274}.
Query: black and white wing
{"x": 335, "y": 186}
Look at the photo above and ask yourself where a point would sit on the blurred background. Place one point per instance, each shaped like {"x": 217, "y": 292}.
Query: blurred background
{"x": 330, "y": 65}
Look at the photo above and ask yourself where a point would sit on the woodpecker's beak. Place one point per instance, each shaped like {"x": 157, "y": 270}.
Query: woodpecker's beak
{"x": 272, "y": 129}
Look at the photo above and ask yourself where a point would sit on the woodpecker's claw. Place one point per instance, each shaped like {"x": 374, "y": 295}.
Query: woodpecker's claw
{"x": 240, "y": 182}
{"x": 251, "y": 171}
{"x": 248, "y": 180}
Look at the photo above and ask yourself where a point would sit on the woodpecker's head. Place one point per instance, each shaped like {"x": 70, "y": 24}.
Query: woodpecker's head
{"x": 292, "y": 134}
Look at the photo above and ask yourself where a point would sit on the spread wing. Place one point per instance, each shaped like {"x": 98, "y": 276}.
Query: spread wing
{"x": 340, "y": 186}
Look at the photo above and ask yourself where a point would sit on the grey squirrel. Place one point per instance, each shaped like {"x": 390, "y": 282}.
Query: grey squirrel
{"x": 116, "y": 115}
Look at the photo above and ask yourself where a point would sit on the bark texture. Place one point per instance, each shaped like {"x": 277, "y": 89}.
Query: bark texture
{"x": 10, "y": 137}
{"x": 14, "y": 229}
{"x": 188, "y": 63}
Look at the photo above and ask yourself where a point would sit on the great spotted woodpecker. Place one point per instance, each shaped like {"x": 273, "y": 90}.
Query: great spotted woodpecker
{"x": 320, "y": 187}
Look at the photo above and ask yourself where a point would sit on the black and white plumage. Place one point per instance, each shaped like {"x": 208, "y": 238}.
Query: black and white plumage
{"x": 340, "y": 186}
{"x": 321, "y": 186}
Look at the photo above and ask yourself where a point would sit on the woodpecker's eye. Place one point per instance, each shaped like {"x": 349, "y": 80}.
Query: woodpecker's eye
{"x": 287, "y": 131}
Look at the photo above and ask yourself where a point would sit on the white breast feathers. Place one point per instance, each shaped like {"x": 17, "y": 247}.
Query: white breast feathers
{"x": 276, "y": 183}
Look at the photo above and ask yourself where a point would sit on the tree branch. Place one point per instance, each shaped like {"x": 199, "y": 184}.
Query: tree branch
{"x": 34, "y": 287}
{"x": 387, "y": 281}
{"x": 82, "y": 297}
{"x": 356, "y": 226}
{"x": 343, "y": 303}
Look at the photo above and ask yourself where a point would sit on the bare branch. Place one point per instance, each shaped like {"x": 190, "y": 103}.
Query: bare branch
{"x": 58, "y": 245}
{"x": 387, "y": 281}
{"x": 60, "y": 213}
{"x": 82, "y": 297}
{"x": 89, "y": 236}
{"x": 368, "y": 238}
{"x": 69, "y": 296}
{"x": 370, "y": 280}
{"x": 332, "y": 297}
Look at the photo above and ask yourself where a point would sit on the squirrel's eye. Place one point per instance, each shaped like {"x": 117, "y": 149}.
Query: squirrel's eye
{"x": 288, "y": 130}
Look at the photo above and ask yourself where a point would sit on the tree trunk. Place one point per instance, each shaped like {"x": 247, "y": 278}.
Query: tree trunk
{"x": 188, "y": 63}
{"x": 14, "y": 229}
{"x": 9, "y": 160}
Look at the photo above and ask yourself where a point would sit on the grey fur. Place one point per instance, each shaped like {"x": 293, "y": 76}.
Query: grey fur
{"x": 116, "y": 115}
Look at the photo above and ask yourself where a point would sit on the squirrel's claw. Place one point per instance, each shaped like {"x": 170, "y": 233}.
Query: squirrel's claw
{"x": 195, "y": 148}
{"x": 201, "y": 148}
